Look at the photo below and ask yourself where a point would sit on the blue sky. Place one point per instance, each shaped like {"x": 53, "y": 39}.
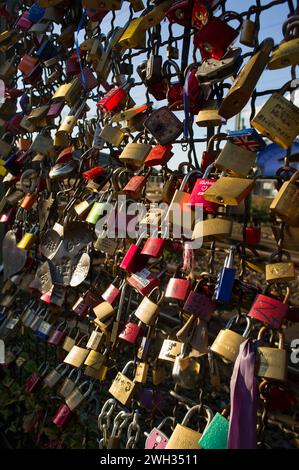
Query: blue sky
{"x": 271, "y": 26}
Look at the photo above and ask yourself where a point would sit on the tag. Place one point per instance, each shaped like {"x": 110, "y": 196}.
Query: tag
{"x": 142, "y": 277}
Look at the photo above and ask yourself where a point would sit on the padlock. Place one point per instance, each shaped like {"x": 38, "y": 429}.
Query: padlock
{"x": 253, "y": 234}
{"x": 209, "y": 116}
{"x": 180, "y": 214}
{"x": 137, "y": 184}
{"x": 215, "y": 37}
{"x": 98, "y": 208}
{"x": 95, "y": 360}
{"x": 62, "y": 416}
{"x": 226, "y": 278}
{"x": 134, "y": 36}
{"x": 27, "y": 241}
{"x": 103, "y": 311}
{"x": 198, "y": 303}
{"x": 135, "y": 153}
{"x": 229, "y": 191}
{"x": 122, "y": 387}
{"x": 154, "y": 73}
{"x": 282, "y": 270}
{"x": 131, "y": 332}
{"x": 69, "y": 122}
{"x": 43, "y": 330}
{"x": 76, "y": 355}
{"x": 178, "y": 288}
{"x": 164, "y": 125}
{"x": 5, "y": 146}
{"x": 27, "y": 64}
{"x": 200, "y": 187}
{"x": 170, "y": 350}
{"x": 141, "y": 372}
{"x": 70, "y": 382}
{"x": 286, "y": 54}
{"x": 285, "y": 204}
{"x": 58, "y": 335}
{"x": 269, "y": 310}
{"x": 235, "y": 160}
{"x": 114, "y": 97}
{"x": 89, "y": 300}
{"x": 272, "y": 362}
{"x": 215, "y": 435}
{"x": 112, "y": 293}
{"x": 228, "y": 342}
{"x": 278, "y": 119}
{"x": 156, "y": 438}
{"x": 77, "y": 396}
{"x": 159, "y": 155}
{"x": 243, "y": 86}
{"x": 186, "y": 369}
{"x": 35, "y": 379}
{"x": 147, "y": 311}
{"x": 154, "y": 245}
{"x": 95, "y": 340}
{"x": 184, "y": 437}
{"x": 249, "y": 30}
{"x": 249, "y": 139}
{"x": 53, "y": 377}
{"x": 180, "y": 12}
{"x": 112, "y": 134}
{"x": 133, "y": 261}
{"x": 213, "y": 70}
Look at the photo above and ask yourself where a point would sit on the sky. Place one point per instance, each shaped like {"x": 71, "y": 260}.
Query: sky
{"x": 271, "y": 26}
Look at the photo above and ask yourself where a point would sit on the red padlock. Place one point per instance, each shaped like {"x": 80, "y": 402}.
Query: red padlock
{"x": 8, "y": 216}
{"x": 55, "y": 109}
{"x": 177, "y": 288}
{"x": 35, "y": 379}
{"x": 93, "y": 173}
{"x": 253, "y": 235}
{"x": 215, "y": 37}
{"x": 158, "y": 90}
{"x": 159, "y": 155}
{"x": 112, "y": 293}
{"x": 114, "y": 97}
{"x": 135, "y": 186}
{"x": 131, "y": 332}
{"x": 198, "y": 303}
{"x": 23, "y": 22}
{"x": 90, "y": 80}
{"x": 62, "y": 416}
{"x": 180, "y": 12}
{"x": 154, "y": 247}
{"x": 201, "y": 12}
{"x": 133, "y": 260}
{"x": 269, "y": 310}
{"x": 196, "y": 95}
{"x": 144, "y": 281}
{"x": 65, "y": 155}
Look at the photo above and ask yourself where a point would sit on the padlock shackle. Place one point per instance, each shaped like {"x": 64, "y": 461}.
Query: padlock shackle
{"x": 198, "y": 408}
{"x": 281, "y": 336}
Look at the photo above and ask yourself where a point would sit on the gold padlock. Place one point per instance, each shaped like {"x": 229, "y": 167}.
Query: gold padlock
{"x": 112, "y": 134}
{"x": 141, "y": 372}
{"x": 184, "y": 437}
{"x": 95, "y": 340}
{"x": 209, "y": 115}
{"x": 134, "y": 36}
{"x": 228, "y": 342}
{"x": 245, "y": 82}
{"x": 272, "y": 361}
{"x": 278, "y": 119}
{"x": 287, "y": 53}
{"x": 94, "y": 360}
{"x": 229, "y": 191}
{"x": 281, "y": 271}
{"x": 97, "y": 374}
{"x": 27, "y": 241}
{"x": 235, "y": 160}
{"x": 135, "y": 153}
{"x": 210, "y": 229}
{"x": 148, "y": 310}
{"x": 76, "y": 355}
{"x": 170, "y": 350}
{"x": 122, "y": 387}
{"x": 286, "y": 203}
{"x": 103, "y": 311}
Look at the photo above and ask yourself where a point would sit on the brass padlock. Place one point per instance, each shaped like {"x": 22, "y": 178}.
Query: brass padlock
{"x": 95, "y": 360}
{"x": 278, "y": 119}
{"x": 184, "y": 437}
{"x": 228, "y": 342}
{"x": 287, "y": 53}
{"x": 229, "y": 191}
{"x": 122, "y": 387}
{"x": 95, "y": 340}
{"x": 209, "y": 115}
{"x": 235, "y": 160}
{"x": 97, "y": 374}
{"x": 282, "y": 270}
{"x": 272, "y": 361}
{"x": 210, "y": 229}
{"x": 135, "y": 153}
{"x": 147, "y": 311}
{"x": 245, "y": 82}
{"x": 249, "y": 30}
{"x": 170, "y": 350}
{"x": 77, "y": 355}
{"x": 141, "y": 372}
{"x": 103, "y": 311}
{"x": 286, "y": 203}
{"x": 112, "y": 134}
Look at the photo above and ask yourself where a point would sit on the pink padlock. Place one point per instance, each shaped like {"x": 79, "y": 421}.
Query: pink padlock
{"x": 144, "y": 281}
{"x": 62, "y": 416}
{"x": 131, "y": 332}
{"x": 35, "y": 379}
{"x": 199, "y": 189}
{"x": 112, "y": 293}
{"x": 177, "y": 288}
{"x": 156, "y": 438}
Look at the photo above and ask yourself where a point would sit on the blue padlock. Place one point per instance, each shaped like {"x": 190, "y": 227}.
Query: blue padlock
{"x": 47, "y": 50}
{"x": 226, "y": 277}
{"x": 36, "y": 13}
{"x": 44, "y": 330}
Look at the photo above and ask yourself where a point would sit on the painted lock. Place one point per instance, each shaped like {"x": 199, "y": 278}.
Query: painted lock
{"x": 62, "y": 416}
{"x": 184, "y": 437}
{"x": 228, "y": 342}
{"x": 58, "y": 335}
{"x": 27, "y": 241}
{"x": 215, "y": 435}
{"x": 130, "y": 333}
{"x": 156, "y": 438}
{"x": 269, "y": 310}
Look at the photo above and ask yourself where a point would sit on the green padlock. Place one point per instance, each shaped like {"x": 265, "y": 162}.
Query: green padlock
{"x": 216, "y": 434}
{"x": 98, "y": 209}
